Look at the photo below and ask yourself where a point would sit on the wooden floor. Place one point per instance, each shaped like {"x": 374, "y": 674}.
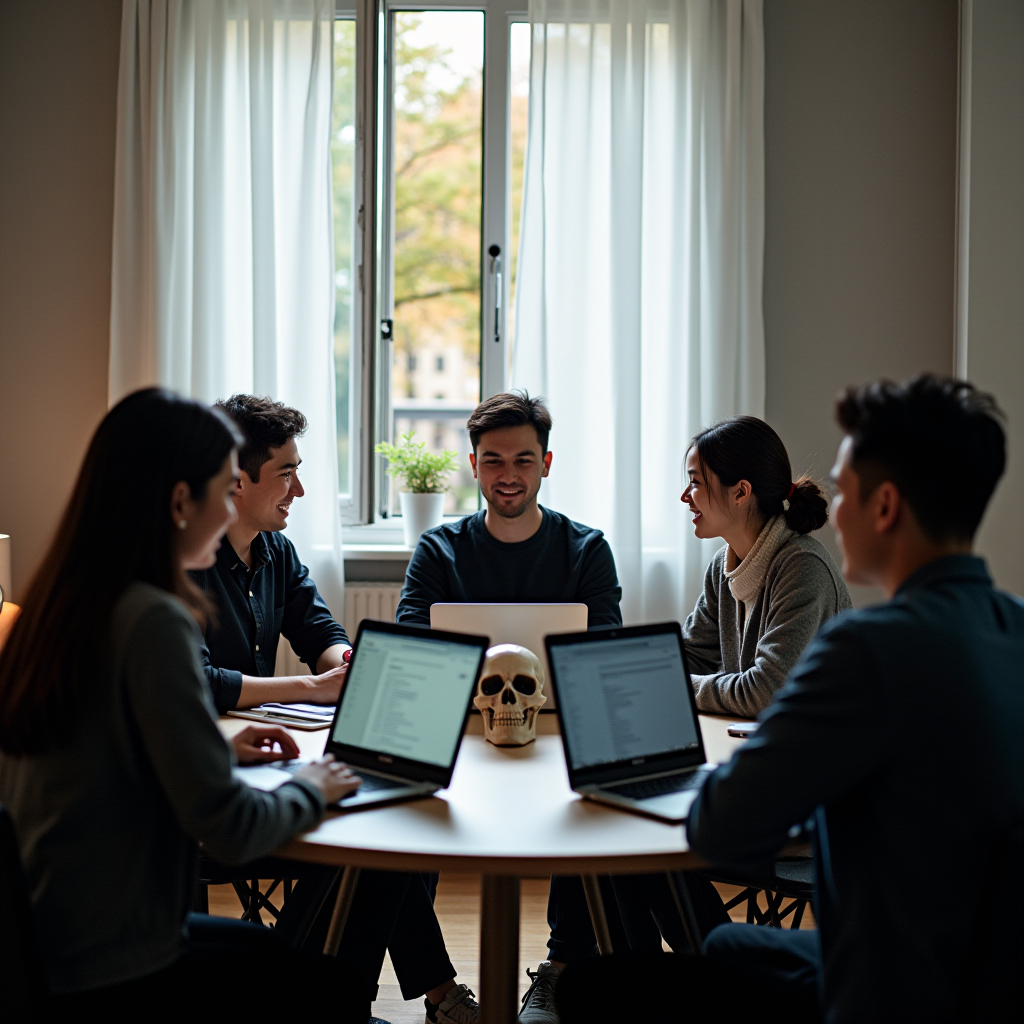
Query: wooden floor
{"x": 458, "y": 910}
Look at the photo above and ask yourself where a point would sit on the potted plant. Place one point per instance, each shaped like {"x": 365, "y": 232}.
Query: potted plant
{"x": 426, "y": 480}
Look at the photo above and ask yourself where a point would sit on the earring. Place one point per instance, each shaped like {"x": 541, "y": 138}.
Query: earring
{"x": 182, "y": 524}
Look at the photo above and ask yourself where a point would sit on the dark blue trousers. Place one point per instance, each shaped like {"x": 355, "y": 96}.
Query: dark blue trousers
{"x": 750, "y": 974}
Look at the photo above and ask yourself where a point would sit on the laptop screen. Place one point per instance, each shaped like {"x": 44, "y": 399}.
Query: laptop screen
{"x": 624, "y": 698}
{"x": 407, "y": 696}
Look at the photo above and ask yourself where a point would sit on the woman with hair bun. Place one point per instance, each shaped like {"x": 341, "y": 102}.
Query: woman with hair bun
{"x": 766, "y": 592}
{"x": 771, "y": 586}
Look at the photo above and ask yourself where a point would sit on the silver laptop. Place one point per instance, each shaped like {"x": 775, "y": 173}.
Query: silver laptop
{"x": 522, "y": 624}
{"x": 629, "y": 718}
{"x": 401, "y": 715}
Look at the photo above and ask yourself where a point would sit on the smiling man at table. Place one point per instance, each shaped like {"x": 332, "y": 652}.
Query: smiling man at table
{"x": 259, "y": 586}
{"x": 517, "y": 551}
{"x": 898, "y": 731}
{"x": 262, "y": 591}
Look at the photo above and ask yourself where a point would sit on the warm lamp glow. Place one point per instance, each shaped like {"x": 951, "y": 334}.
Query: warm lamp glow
{"x": 8, "y": 614}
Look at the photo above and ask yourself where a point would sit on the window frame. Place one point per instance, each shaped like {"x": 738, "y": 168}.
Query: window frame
{"x": 369, "y": 389}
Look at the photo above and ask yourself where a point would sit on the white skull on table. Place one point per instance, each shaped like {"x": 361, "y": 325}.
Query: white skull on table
{"x": 509, "y": 695}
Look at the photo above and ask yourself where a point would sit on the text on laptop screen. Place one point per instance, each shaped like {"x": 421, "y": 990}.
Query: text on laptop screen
{"x": 624, "y": 698}
{"x": 407, "y": 696}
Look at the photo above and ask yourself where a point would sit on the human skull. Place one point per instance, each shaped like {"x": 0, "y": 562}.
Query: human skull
{"x": 509, "y": 695}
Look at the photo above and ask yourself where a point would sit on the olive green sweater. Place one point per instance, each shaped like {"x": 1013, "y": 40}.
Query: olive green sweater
{"x": 108, "y": 825}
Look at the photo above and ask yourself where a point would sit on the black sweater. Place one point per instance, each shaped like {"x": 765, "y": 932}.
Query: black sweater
{"x": 563, "y": 562}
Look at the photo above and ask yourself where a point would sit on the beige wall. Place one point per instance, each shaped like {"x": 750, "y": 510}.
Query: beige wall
{"x": 58, "y": 98}
{"x": 860, "y": 137}
{"x": 992, "y": 254}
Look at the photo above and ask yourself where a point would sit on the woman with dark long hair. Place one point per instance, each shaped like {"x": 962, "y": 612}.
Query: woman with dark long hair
{"x": 771, "y": 586}
{"x": 111, "y": 763}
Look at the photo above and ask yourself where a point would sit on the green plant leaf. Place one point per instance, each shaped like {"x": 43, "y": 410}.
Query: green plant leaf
{"x": 424, "y": 472}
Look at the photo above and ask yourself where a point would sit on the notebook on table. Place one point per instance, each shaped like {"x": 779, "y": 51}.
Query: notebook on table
{"x": 401, "y": 714}
{"x": 628, "y": 718}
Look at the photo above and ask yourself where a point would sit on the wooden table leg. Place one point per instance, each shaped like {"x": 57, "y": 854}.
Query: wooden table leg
{"x": 342, "y": 905}
{"x": 598, "y": 918}
{"x": 499, "y": 949}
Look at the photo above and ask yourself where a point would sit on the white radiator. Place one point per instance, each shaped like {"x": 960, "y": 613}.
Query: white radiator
{"x": 362, "y": 601}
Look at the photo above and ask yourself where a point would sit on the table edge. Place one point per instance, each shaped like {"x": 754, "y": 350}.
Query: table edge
{"x": 523, "y": 867}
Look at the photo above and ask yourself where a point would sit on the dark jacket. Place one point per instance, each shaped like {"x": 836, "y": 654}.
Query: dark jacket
{"x": 900, "y": 730}
{"x": 255, "y": 609}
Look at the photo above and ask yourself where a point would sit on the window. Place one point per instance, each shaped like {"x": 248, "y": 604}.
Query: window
{"x": 451, "y": 128}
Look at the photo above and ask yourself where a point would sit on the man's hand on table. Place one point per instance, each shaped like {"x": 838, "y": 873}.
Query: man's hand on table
{"x": 258, "y": 744}
{"x": 326, "y": 687}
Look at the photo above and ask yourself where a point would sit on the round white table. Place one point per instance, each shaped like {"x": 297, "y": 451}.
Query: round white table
{"x": 508, "y": 814}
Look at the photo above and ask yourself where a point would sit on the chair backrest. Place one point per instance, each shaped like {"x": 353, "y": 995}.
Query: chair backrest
{"x": 22, "y": 989}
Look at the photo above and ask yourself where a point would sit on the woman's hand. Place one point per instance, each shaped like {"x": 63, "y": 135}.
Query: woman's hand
{"x": 258, "y": 744}
{"x": 333, "y": 778}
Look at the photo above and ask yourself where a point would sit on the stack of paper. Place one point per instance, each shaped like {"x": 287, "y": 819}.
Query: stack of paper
{"x": 302, "y": 716}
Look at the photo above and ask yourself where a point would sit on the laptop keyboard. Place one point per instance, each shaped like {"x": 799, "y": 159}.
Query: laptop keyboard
{"x": 370, "y": 782}
{"x": 659, "y": 787}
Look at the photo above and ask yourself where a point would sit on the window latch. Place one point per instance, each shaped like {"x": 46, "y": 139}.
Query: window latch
{"x": 495, "y": 253}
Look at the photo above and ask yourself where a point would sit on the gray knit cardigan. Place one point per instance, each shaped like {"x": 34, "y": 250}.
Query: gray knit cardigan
{"x": 739, "y": 657}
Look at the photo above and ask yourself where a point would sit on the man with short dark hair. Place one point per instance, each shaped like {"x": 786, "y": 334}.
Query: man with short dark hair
{"x": 898, "y": 732}
{"x": 259, "y": 586}
{"x": 517, "y": 551}
{"x": 514, "y": 550}
{"x": 262, "y": 591}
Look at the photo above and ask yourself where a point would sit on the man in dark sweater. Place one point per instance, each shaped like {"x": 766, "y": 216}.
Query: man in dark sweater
{"x": 516, "y": 551}
{"x": 898, "y": 733}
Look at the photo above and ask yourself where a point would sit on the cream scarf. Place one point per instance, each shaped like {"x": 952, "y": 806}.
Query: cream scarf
{"x": 746, "y": 578}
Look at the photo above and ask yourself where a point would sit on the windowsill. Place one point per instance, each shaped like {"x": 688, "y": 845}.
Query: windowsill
{"x": 379, "y": 542}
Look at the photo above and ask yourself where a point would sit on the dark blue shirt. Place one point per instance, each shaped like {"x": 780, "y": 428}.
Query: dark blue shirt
{"x": 900, "y": 731}
{"x": 563, "y": 562}
{"x": 255, "y": 609}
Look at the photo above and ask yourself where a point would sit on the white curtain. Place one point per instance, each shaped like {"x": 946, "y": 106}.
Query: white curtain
{"x": 638, "y": 295}
{"x": 223, "y": 255}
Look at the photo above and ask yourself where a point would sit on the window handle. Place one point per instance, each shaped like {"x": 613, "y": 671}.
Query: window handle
{"x": 495, "y": 253}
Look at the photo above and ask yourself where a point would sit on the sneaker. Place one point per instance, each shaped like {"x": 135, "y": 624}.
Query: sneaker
{"x": 539, "y": 1001}
{"x": 458, "y": 1007}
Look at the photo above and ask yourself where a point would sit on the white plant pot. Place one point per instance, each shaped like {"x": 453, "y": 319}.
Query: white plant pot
{"x": 420, "y": 512}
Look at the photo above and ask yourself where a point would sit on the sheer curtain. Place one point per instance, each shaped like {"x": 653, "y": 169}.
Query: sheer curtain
{"x": 223, "y": 256}
{"x": 638, "y": 296}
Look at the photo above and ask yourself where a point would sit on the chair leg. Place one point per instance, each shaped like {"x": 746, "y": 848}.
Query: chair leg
{"x": 201, "y": 898}
{"x": 598, "y": 917}
{"x": 684, "y": 907}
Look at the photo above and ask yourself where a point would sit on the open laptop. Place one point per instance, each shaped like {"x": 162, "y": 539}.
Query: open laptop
{"x": 522, "y": 624}
{"x": 629, "y": 719}
{"x": 401, "y": 715}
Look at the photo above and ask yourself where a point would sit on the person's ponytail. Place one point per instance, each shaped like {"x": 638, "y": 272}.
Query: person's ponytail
{"x": 808, "y": 509}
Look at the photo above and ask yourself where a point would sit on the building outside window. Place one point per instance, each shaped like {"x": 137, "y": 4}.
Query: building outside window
{"x": 449, "y": 186}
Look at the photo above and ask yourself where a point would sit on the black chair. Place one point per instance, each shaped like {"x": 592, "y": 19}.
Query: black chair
{"x": 22, "y": 984}
{"x": 254, "y": 900}
{"x": 793, "y": 879}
